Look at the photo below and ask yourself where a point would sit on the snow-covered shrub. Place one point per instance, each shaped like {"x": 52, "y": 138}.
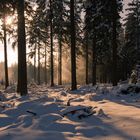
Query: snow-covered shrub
{"x": 133, "y": 77}
{"x": 10, "y": 89}
{"x": 130, "y": 89}
{"x": 2, "y": 96}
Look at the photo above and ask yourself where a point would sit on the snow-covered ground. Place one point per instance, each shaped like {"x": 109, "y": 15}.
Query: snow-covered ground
{"x": 90, "y": 113}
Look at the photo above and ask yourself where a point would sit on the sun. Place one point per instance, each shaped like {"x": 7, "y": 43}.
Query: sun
{"x": 9, "y": 20}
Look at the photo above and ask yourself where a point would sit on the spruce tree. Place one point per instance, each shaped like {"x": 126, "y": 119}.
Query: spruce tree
{"x": 132, "y": 31}
{"x": 130, "y": 52}
{"x": 115, "y": 8}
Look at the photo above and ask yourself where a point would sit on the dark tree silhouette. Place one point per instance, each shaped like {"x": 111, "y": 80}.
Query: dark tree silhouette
{"x": 73, "y": 50}
{"x": 114, "y": 19}
{"x": 22, "y": 67}
{"x": 5, "y": 51}
{"x": 6, "y": 8}
{"x": 51, "y": 40}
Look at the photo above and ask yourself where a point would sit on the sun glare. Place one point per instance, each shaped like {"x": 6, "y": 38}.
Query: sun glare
{"x": 0, "y": 22}
{"x": 12, "y": 55}
{"x": 9, "y": 20}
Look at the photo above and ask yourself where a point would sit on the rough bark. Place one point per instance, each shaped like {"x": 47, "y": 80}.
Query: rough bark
{"x": 94, "y": 62}
{"x": 73, "y": 50}
{"x": 87, "y": 62}
{"x": 114, "y": 44}
{"x": 5, "y": 53}
{"x": 45, "y": 69}
{"x": 35, "y": 64}
{"x": 51, "y": 40}
{"x": 22, "y": 66}
{"x": 38, "y": 75}
{"x": 60, "y": 60}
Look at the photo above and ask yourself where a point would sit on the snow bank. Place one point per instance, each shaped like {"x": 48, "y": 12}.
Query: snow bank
{"x": 93, "y": 113}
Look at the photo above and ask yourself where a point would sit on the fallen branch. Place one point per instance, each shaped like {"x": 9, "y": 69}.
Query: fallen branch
{"x": 69, "y": 101}
{"x": 89, "y": 110}
{"x": 33, "y": 113}
{"x": 85, "y": 116}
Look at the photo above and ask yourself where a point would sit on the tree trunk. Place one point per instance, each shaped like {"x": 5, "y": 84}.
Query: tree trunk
{"x": 35, "y": 64}
{"x": 60, "y": 60}
{"x": 73, "y": 51}
{"x": 114, "y": 44}
{"x": 22, "y": 66}
{"x": 51, "y": 39}
{"x": 5, "y": 53}
{"x": 87, "y": 61}
{"x": 94, "y": 62}
{"x": 137, "y": 32}
{"x": 114, "y": 65}
{"x": 45, "y": 69}
{"x": 38, "y": 75}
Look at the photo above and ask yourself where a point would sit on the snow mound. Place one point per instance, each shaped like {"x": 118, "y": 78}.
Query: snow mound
{"x": 10, "y": 89}
{"x": 129, "y": 89}
{"x": 77, "y": 112}
{"x": 2, "y": 96}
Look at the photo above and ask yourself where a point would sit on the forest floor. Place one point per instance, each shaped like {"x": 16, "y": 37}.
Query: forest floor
{"x": 89, "y": 113}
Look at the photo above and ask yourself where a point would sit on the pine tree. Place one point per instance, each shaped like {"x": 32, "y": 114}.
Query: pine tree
{"x": 90, "y": 27}
{"x": 130, "y": 51}
{"x": 61, "y": 28}
{"x": 116, "y": 6}
{"x": 38, "y": 36}
{"x": 132, "y": 31}
{"x": 99, "y": 18}
{"x": 58, "y": 24}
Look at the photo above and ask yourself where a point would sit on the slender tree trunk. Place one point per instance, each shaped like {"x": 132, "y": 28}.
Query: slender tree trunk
{"x": 114, "y": 44}
{"x": 87, "y": 61}
{"x": 22, "y": 66}
{"x": 38, "y": 75}
{"x": 60, "y": 60}
{"x": 51, "y": 39}
{"x": 35, "y": 64}
{"x": 5, "y": 53}
{"x": 137, "y": 32}
{"x": 60, "y": 45}
{"x": 73, "y": 49}
{"x": 124, "y": 68}
{"x": 94, "y": 62}
{"x": 45, "y": 69}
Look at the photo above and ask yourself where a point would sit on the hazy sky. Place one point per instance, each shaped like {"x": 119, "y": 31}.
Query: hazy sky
{"x": 12, "y": 55}
{"x": 125, "y": 5}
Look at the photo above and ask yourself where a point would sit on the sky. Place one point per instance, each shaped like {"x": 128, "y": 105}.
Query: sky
{"x": 12, "y": 55}
{"x": 125, "y": 6}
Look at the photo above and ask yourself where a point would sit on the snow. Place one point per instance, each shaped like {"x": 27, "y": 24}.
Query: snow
{"x": 44, "y": 114}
